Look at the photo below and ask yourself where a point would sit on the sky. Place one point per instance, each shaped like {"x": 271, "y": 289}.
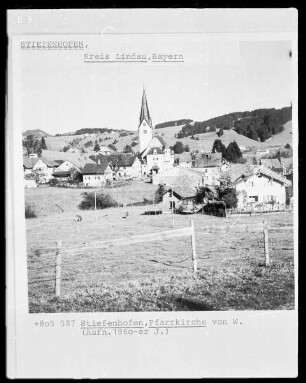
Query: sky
{"x": 60, "y": 93}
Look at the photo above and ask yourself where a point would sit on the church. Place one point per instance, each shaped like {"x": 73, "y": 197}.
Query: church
{"x": 155, "y": 155}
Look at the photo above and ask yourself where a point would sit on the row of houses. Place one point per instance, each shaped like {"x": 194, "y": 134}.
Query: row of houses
{"x": 258, "y": 187}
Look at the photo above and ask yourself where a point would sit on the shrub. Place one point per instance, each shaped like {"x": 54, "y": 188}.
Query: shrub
{"x": 103, "y": 201}
{"x": 30, "y": 211}
{"x": 159, "y": 193}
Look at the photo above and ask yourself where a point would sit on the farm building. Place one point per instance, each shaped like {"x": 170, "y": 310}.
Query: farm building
{"x": 66, "y": 167}
{"x": 272, "y": 163}
{"x": 287, "y": 164}
{"x": 105, "y": 151}
{"x": 122, "y": 165}
{"x": 96, "y": 174}
{"x": 183, "y": 159}
{"x": 41, "y": 166}
{"x": 179, "y": 176}
{"x": 174, "y": 197}
{"x": 127, "y": 167}
{"x": 259, "y": 187}
{"x": 211, "y": 164}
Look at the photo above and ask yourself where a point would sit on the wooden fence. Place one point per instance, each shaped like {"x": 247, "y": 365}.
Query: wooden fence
{"x": 169, "y": 234}
{"x": 164, "y": 235}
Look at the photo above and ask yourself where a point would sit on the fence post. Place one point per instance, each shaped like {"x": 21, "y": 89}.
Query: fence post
{"x": 266, "y": 242}
{"x": 95, "y": 200}
{"x": 194, "y": 254}
{"x": 58, "y": 269}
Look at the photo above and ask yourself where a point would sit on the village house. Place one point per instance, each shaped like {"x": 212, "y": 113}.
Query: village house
{"x": 96, "y": 174}
{"x": 183, "y": 159}
{"x": 122, "y": 165}
{"x": 179, "y": 176}
{"x": 105, "y": 151}
{"x": 211, "y": 164}
{"x": 273, "y": 164}
{"x": 287, "y": 164}
{"x": 175, "y": 196}
{"x": 42, "y": 167}
{"x": 259, "y": 187}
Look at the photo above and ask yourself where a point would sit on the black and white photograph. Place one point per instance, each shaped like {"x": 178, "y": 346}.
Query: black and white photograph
{"x": 152, "y": 184}
{"x": 159, "y": 171}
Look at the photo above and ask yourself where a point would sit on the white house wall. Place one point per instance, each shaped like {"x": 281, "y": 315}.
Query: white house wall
{"x": 265, "y": 189}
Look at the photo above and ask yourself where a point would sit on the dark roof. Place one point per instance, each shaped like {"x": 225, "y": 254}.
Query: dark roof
{"x": 94, "y": 168}
{"x": 29, "y": 177}
{"x": 158, "y": 151}
{"x": 28, "y": 163}
{"x": 183, "y": 191}
{"x": 272, "y": 163}
{"x": 115, "y": 159}
{"x": 205, "y": 160}
{"x": 144, "y": 111}
{"x": 66, "y": 173}
{"x": 58, "y": 162}
{"x": 162, "y": 141}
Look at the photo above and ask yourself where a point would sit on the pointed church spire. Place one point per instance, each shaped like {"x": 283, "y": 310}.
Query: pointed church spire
{"x": 144, "y": 112}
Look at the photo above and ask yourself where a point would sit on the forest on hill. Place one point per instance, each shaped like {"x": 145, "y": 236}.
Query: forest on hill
{"x": 259, "y": 124}
{"x": 173, "y": 123}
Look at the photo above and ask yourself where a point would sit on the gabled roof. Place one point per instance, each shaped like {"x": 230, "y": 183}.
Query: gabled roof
{"x": 272, "y": 163}
{"x": 240, "y": 173}
{"x": 144, "y": 111}
{"x": 64, "y": 173}
{"x": 161, "y": 140}
{"x": 183, "y": 191}
{"x": 115, "y": 159}
{"x": 94, "y": 168}
{"x": 205, "y": 160}
{"x": 29, "y": 163}
{"x": 29, "y": 177}
{"x": 158, "y": 151}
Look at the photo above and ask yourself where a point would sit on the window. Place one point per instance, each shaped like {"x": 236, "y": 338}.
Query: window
{"x": 145, "y": 131}
{"x": 253, "y": 198}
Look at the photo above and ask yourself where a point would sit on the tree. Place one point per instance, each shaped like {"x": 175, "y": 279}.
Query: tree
{"x": 65, "y": 148}
{"x": 186, "y": 148}
{"x": 113, "y": 147}
{"x": 287, "y": 146}
{"x": 160, "y": 193}
{"x": 102, "y": 201}
{"x": 127, "y": 149}
{"x": 178, "y": 147}
{"x": 219, "y": 147}
{"x": 97, "y": 147}
{"x": 43, "y": 145}
{"x": 227, "y": 191}
{"x": 233, "y": 152}
{"x": 220, "y": 132}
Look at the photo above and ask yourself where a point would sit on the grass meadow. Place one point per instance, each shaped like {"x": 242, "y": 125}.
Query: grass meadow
{"x": 153, "y": 276}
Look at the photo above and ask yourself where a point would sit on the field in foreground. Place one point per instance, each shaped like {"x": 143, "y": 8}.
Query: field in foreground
{"x": 157, "y": 276}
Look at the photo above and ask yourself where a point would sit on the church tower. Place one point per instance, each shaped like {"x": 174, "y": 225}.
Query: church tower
{"x": 145, "y": 129}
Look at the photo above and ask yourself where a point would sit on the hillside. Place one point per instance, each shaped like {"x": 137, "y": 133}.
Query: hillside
{"x": 282, "y": 138}
{"x": 258, "y": 124}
